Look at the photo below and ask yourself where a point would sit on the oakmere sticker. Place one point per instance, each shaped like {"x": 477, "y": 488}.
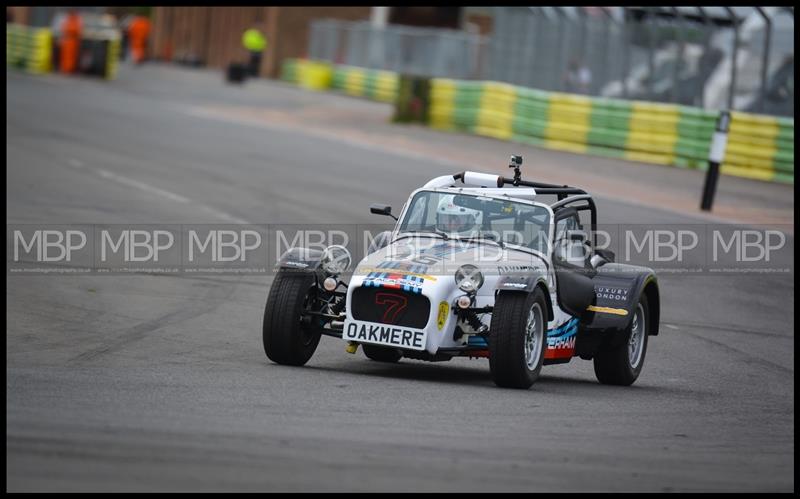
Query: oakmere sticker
{"x": 443, "y": 309}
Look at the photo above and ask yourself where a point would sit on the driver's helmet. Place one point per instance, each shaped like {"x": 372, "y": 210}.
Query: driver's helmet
{"x": 457, "y": 220}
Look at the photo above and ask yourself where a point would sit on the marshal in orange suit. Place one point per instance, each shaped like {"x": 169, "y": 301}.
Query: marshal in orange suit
{"x": 70, "y": 45}
{"x": 138, "y": 31}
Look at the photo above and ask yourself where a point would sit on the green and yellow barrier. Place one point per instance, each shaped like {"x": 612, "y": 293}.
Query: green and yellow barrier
{"x": 314, "y": 75}
{"x": 112, "y": 59}
{"x": 759, "y": 147}
{"x": 372, "y": 84}
{"x": 29, "y": 48}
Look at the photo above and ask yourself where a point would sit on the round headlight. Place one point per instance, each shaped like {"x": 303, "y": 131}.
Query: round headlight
{"x": 336, "y": 259}
{"x": 468, "y": 278}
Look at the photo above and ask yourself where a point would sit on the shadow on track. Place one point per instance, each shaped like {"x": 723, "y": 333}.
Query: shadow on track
{"x": 480, "y": 376}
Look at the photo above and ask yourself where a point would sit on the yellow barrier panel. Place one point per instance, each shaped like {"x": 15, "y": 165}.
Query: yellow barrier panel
{"x": 112, "y": 58}
{"x": 354, "y": 82}
{"x": 315, "y": 75}
{"x": 646, "y": 157}
{"x": 748, "y": 172}
{"x": 568, "y": 122}
{"x": 29, "y": 48}
{"x": 496, "y": 112}
{"x": 562, "y": 145}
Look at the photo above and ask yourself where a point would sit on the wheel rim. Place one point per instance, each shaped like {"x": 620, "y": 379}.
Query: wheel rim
{"x": 534, "y": 336}
{"x": 309, "y": 304}
{"x": 636, "y": 341}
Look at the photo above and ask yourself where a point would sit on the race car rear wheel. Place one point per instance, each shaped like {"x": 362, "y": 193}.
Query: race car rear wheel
{"x": 620, "y": 364}
{"x": 517, "y": 338}
{"x": 287, "y": 340}
{"x": 382, "y": 354}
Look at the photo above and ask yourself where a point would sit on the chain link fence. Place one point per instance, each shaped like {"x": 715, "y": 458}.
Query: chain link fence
{"x": 680, "y": 55}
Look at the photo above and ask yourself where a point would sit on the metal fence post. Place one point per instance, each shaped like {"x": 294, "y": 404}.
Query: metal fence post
{"x": 765, "y": 58}
{"x": 626, "y": 58}
{"x": 679, "y": 53}
{"x": 584, "y": 36}
{"x": 606, "y": 41}
{"x": 734, "y": 21}
{"x": 651, "y": 63}
{"x": 701, "y": 90}
{"x": 559, "y": 73}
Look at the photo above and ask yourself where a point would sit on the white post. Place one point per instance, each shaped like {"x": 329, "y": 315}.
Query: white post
{"x": 379, "y": 17}
{"x": 378, "y": 20}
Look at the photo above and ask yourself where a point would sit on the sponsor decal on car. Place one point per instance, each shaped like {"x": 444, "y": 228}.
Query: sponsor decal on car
{"x": 412, "y": 284}
{"x": 398, "y": 275}
{"x": 509, "y": 269}
{"x": 444, "y": 307}
{"x": 382, "y": 334}
{"x": 607, "y": 310}
{"x": 561, "y": 340}
{"x": 611, "y": 293}
{"x": 394, "y": 305}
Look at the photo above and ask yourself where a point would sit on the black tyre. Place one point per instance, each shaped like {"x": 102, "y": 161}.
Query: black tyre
{"x": 286, "y": 339}
{"x": 382, "y": 354}
{"x": 620, "y": 364}
{"x": 518, "y": 338}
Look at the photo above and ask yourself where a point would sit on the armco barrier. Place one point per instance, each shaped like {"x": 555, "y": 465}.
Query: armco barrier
{"x": 759, "y": 147}
{"x": 29, "y": 48}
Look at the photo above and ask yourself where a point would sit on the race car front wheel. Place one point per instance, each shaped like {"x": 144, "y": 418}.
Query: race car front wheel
{"x": 382, "y": 354}
{"x": 287, "y": 340}
{"x": 620, "y": 364}
{"x": 517, "y": 338}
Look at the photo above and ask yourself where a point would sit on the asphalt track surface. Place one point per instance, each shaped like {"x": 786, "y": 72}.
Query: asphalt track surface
{"x": 148, "y": 382}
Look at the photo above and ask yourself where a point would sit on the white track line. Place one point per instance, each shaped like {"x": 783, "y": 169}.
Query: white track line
{"x": 136, "y": 184}
{"x": 141, "y": 186}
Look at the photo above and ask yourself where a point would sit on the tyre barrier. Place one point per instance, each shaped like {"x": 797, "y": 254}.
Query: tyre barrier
{"x": 29, "y": 48}
{"x": 759, "y": 147}
{"x": 372, "y": 84}
{"x": 33, "y": 49}
{"x": 412, "y": 102}
{"x": 113, "y": 50}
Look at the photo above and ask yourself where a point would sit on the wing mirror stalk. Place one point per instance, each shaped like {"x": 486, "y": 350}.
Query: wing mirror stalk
{"x": 382, "y": 209}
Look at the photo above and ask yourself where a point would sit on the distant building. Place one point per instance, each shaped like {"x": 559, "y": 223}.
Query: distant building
{"x": 212, "y": 36}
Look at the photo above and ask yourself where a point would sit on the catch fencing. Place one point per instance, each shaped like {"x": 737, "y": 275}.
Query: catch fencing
{"x": 679, "y": 55}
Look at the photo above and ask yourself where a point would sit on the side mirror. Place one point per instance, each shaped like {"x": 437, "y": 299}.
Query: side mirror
{"x": 381, "y": 209}
{"x": 607, "y": 254}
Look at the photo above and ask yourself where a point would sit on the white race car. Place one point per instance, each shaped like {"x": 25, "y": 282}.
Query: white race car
{"x": 476, "y": 266}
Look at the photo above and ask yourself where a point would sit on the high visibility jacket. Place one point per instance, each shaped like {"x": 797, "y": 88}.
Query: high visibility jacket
{"x": 253, "y": 40}
{"x": 138, "y": 31}
{"x": 69, "y": 44}
{"x": 72, "y": 26}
